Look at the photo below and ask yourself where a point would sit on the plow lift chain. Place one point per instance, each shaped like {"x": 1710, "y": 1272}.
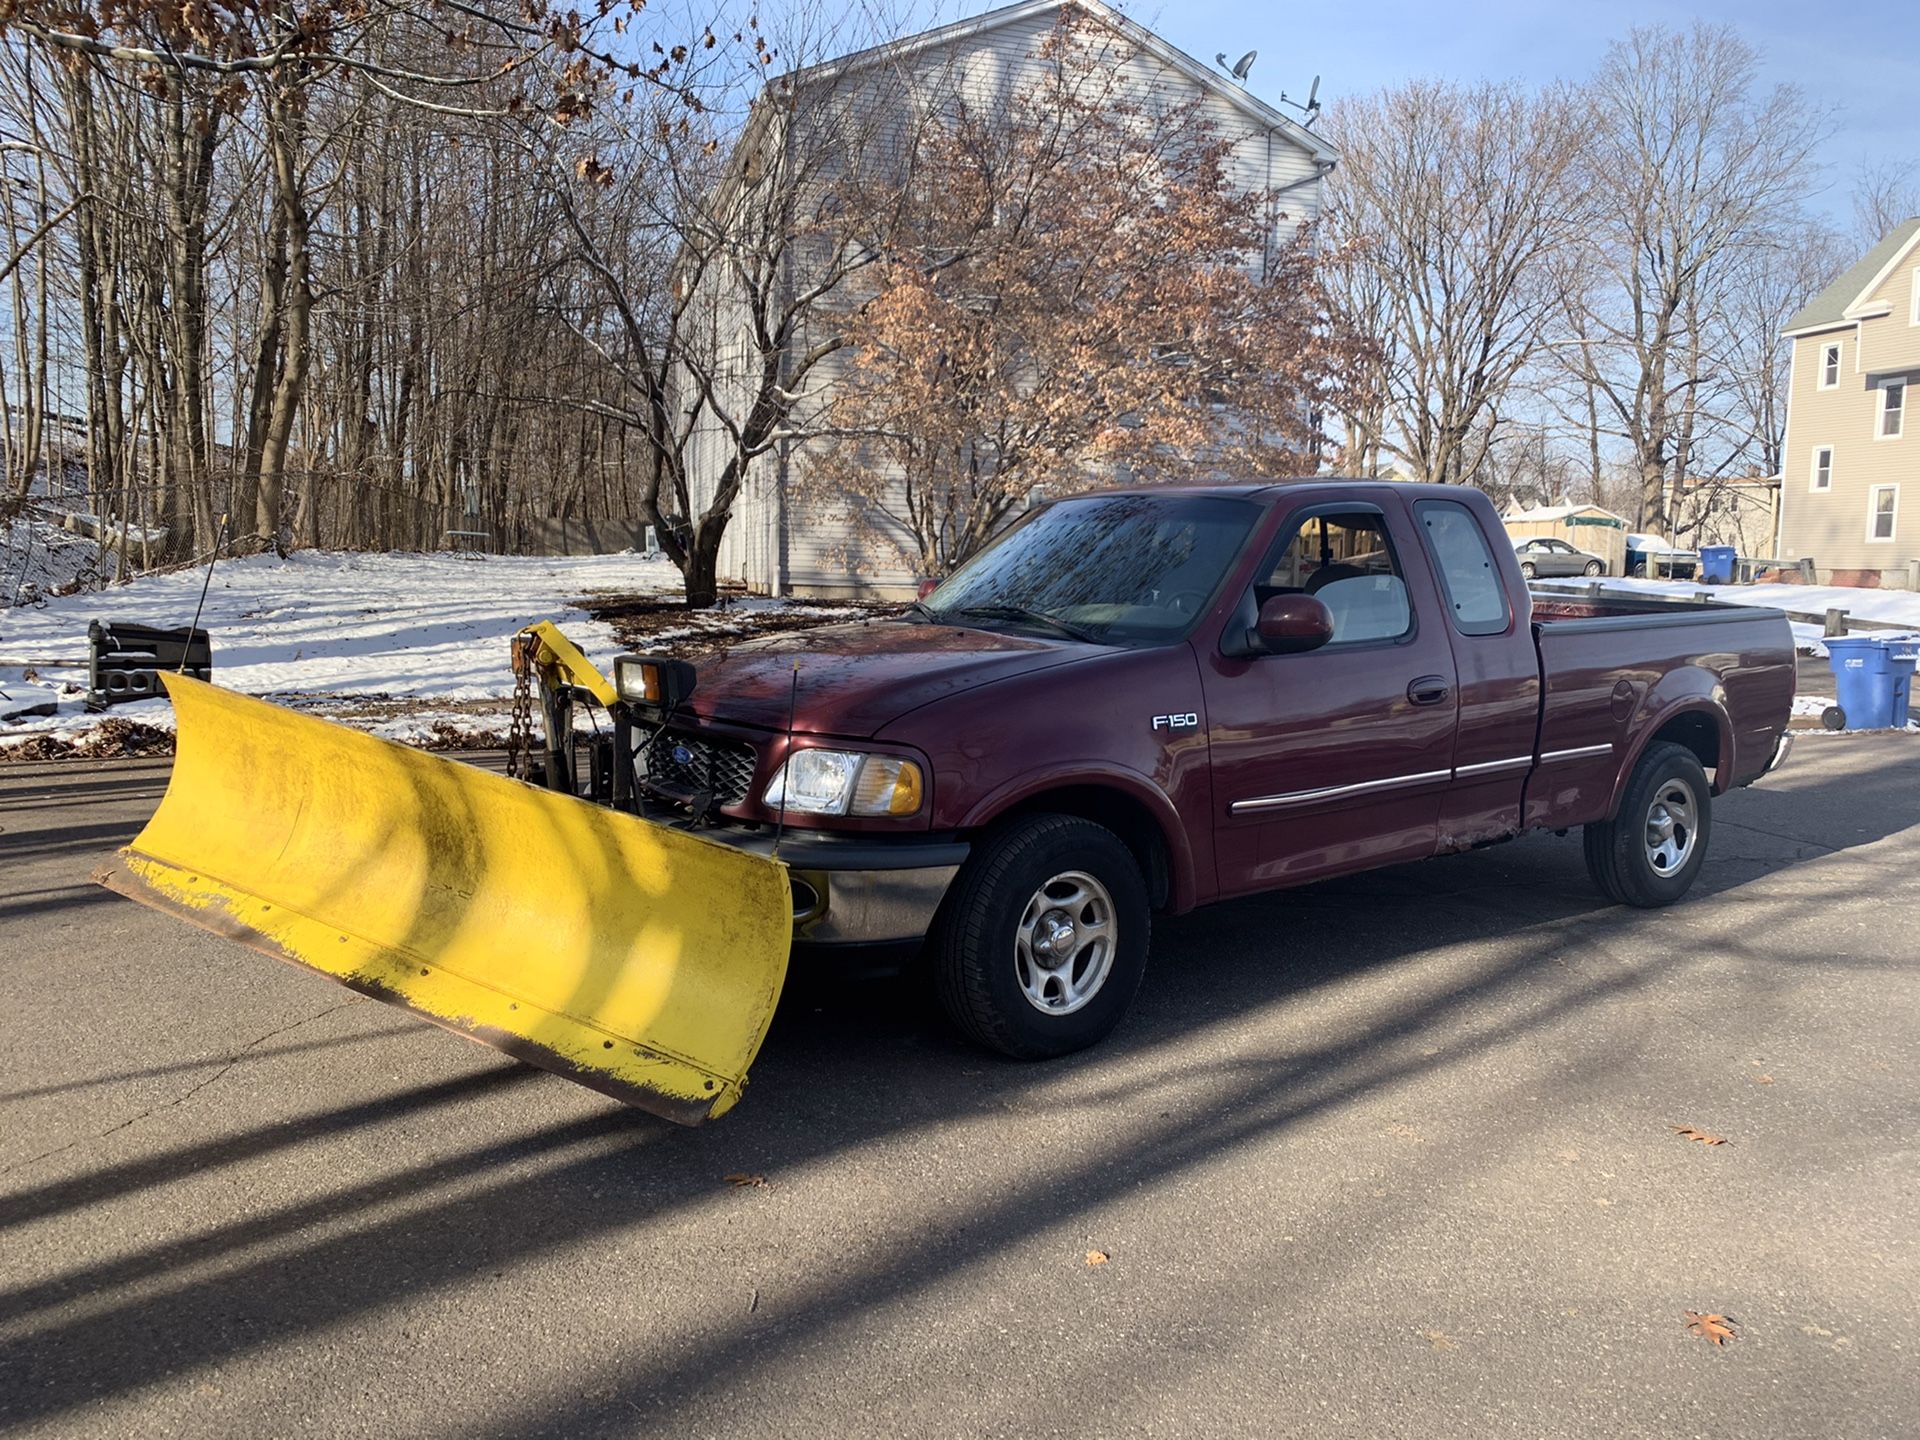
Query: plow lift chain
{"x": 520, "y": 726}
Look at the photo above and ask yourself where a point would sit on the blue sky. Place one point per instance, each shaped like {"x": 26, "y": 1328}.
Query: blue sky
{"x": 1860, "y": 61}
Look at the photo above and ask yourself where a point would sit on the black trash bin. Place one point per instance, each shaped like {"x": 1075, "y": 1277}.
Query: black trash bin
{"x": 125, "y": 661}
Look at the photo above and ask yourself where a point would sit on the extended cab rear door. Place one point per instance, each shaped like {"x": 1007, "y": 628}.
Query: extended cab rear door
{"x": 1497, "y": 667}
{"x": 1335, "y": 759}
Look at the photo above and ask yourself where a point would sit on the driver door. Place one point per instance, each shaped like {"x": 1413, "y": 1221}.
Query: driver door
{"x": 1336, "y": 759}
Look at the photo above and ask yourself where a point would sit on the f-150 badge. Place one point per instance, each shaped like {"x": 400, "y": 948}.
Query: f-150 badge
{"x": 1188, "y": 721}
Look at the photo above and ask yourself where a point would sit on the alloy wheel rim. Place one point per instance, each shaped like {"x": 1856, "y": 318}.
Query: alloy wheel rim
{"x": 1064, "y": 943}
{"x": 1672, "y": 827}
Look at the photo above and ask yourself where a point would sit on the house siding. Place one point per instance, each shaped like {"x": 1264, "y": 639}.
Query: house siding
{"x": 1830, "y": 527}
{"x": 1891, "y": 343}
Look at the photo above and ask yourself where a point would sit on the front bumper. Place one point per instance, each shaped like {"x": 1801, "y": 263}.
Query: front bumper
{"x": 850, "y": 890}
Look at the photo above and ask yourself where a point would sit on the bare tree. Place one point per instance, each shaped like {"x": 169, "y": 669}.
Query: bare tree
{"x": 1688, "y": 167}
{"x": 1449, "y": 204}
{"x": 702, "y": 274}
{"x": 1884, "y": 194}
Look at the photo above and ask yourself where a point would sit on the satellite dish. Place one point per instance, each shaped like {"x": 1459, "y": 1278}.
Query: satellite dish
{"x": 1243, "y": 65}
{"x": 1313, "y": 94}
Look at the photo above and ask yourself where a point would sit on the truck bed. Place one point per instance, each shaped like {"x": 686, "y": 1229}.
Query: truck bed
{"x": 1690, "y": 661}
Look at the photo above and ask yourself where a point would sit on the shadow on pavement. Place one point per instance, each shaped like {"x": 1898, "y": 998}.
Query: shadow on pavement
{"x": 847, "y": 1065}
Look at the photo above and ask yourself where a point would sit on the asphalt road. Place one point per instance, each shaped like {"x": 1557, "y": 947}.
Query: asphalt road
{"x": 1387, "y": 1157}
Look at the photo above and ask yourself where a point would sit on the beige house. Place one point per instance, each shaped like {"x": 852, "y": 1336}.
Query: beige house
{"x": 1850, "y": 471}
{"x": 1738, "y": 510}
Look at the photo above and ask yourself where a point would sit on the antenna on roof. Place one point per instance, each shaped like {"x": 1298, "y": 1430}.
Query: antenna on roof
{"x": 1240, "y": 67}
{"x": 1311, "y": 110}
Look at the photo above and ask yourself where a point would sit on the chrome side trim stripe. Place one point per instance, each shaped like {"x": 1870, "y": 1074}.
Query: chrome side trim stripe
{"x": 1584, "y": 752}
{"x": 1334, "y": 792}
{"x": 1494, "y": 767}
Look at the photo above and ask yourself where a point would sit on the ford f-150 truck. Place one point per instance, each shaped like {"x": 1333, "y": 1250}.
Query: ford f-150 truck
{"x": 1143, "y": 701}
{"x": 1129, "y": 702}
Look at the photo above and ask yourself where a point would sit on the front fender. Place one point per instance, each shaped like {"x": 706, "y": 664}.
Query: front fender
{"x": 1138, "y": 788}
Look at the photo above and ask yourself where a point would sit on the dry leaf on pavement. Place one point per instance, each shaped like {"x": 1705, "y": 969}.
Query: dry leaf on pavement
{"x": 1097, "y": 1257}
{"x": 1717, "y": 1328}
{"x": 1687, "y": 1132}
{"x": 748, "y": 1182}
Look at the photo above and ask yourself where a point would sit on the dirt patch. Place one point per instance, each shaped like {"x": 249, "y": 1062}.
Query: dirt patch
{"x": 111, "y": 739}
{"x": 649, "y": 623}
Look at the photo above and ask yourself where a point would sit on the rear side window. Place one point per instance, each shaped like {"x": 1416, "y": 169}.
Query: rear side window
{"x": 1475, "y": 596}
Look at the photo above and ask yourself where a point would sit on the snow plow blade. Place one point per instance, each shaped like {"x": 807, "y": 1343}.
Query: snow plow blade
{"x": 639, "y": 960}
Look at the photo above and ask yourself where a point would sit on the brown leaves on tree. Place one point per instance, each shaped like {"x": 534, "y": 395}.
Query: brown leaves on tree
{"x": 1717, "y": 1328}
{"x": 1072, "y": 283}
{"x": 1687, "y": 1132}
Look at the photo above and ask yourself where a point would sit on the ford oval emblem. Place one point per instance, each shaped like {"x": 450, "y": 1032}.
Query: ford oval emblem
{"x": 682, "y": 755}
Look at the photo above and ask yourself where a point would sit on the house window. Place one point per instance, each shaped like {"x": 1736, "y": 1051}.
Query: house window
{"x": 1830, "y": 366}
{"x": 1823, "y": 468}
{"x": 1893, "y": 406}
{"x": 1883, "y": 504}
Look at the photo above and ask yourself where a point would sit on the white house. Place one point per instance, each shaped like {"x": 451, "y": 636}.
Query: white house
{"x": 781, "y": 543}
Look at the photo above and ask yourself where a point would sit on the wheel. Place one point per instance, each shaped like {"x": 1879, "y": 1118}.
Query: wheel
{"x": 1594, "y": 567}
{"x": 1834, "y": 718}
{"x": 1043, "y": 942}
{"x": 1528, "y": 570}
{"x": 1639, "y": 572}
{"x": 1650, "y": 852}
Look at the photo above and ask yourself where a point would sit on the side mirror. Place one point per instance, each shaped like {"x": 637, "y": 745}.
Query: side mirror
{"x": 1291, "y": 624}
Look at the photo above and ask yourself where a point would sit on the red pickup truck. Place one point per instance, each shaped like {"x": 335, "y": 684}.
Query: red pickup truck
{"x": 1146, "y": 700}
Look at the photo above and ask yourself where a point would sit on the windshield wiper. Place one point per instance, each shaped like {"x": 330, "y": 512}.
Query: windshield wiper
{"x": 932, "y": 617}
{"x": 1030, "y": 617}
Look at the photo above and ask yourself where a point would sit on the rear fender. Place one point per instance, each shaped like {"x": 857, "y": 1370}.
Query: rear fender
{"x": 1661, "y": 713}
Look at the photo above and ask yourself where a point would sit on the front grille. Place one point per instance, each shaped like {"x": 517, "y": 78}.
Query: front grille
{"x": 683, "y": 764}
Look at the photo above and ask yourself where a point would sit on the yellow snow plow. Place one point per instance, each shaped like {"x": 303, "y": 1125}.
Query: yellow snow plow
{"x": 634, "y": 958}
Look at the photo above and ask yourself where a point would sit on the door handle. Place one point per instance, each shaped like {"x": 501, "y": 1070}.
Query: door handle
{"x": 1429, "y": 690}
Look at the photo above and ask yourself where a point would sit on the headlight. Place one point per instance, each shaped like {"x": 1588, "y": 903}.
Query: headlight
{"x": 844, "y": 782}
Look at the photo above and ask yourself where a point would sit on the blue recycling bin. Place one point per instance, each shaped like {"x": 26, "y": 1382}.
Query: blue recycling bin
{"x": 1716, "y": 564}
{"x": 1872, "y": 678}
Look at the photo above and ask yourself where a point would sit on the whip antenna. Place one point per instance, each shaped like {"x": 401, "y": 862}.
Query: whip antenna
{"x": 786, "y": 765}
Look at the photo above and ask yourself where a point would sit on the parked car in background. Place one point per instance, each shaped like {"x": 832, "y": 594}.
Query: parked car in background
{"x": 1543, "y": 556}
{"x": 1651, "y": 558}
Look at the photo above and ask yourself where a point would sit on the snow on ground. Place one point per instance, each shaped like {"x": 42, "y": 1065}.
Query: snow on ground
{"x": 340, "y": 634}
{"x": 1883, "y": 607}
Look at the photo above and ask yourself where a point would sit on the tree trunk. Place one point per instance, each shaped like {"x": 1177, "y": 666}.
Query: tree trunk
{"x": 296, "y": 354}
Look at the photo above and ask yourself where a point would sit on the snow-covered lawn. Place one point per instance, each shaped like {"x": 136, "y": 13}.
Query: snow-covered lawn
{"x": 398, "y": 643}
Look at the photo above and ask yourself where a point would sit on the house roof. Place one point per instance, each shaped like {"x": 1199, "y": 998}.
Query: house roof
{"x": 1836, "y": 304}
{"x": 1202, "y": 75}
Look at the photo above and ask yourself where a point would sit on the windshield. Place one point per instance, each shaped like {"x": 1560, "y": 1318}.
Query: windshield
{"x": 1111, "y": 568}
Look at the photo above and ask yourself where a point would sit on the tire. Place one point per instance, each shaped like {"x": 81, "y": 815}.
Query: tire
{"x": 1639, "y": 572}
{"x": 991, "y": 938}
{"x": 1528, "y": 570}
{"x": 1834, "y": 718}
{"x": 1593, "y": 567}
{"x": 1629, "y": 857}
